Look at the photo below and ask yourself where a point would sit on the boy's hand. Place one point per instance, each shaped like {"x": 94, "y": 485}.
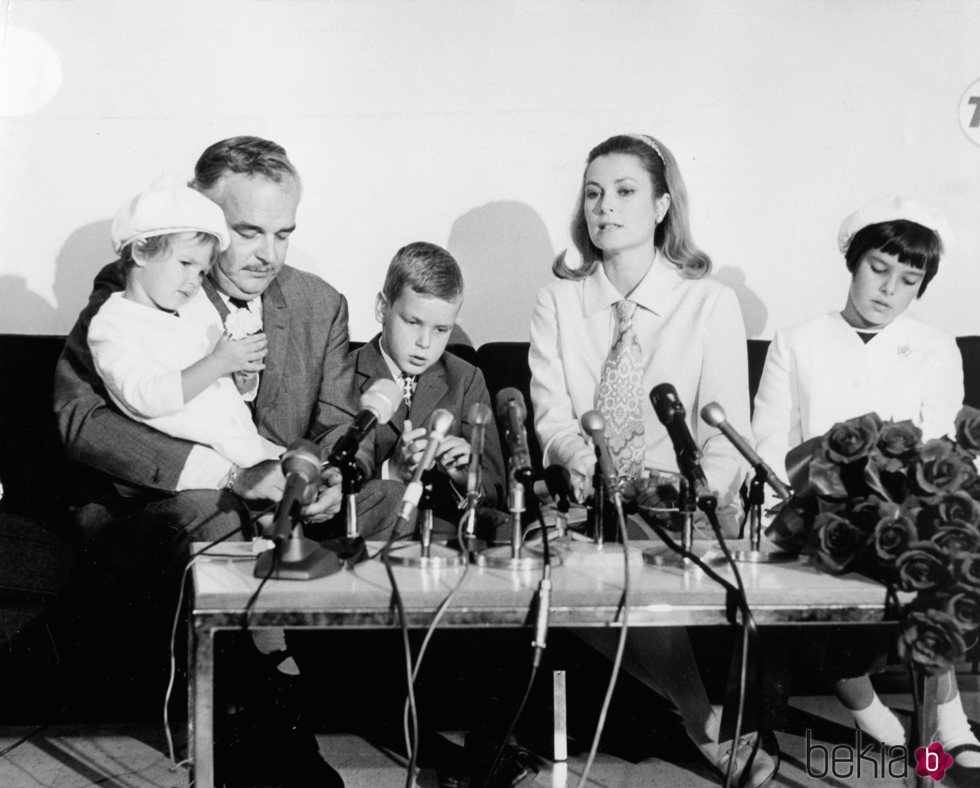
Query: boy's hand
{"x": 240, "y": 355}
{"x": 408, "y": 452}
{"x": 328, "y": 498}
{"x": 454, "y": 458}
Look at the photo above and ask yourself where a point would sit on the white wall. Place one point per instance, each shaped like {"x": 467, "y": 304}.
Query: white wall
{"x": 467, "y": 123}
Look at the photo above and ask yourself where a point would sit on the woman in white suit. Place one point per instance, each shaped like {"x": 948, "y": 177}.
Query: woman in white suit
{"x": 871, "y": 356}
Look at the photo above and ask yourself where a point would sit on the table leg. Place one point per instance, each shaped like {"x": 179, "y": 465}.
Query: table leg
{"x": 201, "y": 704}
{"x": 926, "y": 689}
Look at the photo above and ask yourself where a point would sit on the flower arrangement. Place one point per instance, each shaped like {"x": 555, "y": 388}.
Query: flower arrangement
{"x": 872, "y": 497}
{"x": 241, "y": 323}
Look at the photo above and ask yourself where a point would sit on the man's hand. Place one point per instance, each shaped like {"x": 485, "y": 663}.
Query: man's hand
{"x": 328, "y": 498}
{"x": 408, "y": 453}
{"x": 453, "y": 457}
{"x": 262, "y": 482}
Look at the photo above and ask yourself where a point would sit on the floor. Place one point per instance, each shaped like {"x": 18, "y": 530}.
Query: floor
{"x": 134, "y": 756}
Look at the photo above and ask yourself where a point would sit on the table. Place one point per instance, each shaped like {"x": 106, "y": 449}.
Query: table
{"x": 583, "y": 594}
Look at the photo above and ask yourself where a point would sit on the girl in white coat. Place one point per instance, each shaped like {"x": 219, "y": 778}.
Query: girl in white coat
{"x": 871, "y": 356}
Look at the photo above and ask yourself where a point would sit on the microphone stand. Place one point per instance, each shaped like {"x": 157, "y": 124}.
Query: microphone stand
{"x": 350, "y": 547}
{"x": 688, "y": 504}
{"x": 426, "y": 555}
{"x": 598, "y": 504}
{"x": 297, "y": 558}
{"x": 509, "y": 556}
{"x": 755, "y": 554}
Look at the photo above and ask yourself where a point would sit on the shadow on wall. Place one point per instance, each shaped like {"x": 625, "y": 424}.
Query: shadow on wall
{"x": 754, "y": 311}
{"x": 82, "y": 256}
{"x": 505, "y": 253}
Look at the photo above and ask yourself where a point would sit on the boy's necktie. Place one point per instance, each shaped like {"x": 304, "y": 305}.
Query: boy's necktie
{"x": 619, "y": 397}
{"x": 408, "y": 383}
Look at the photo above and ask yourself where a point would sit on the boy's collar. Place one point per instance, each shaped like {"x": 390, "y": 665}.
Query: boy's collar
{"x": 393, "y": 368}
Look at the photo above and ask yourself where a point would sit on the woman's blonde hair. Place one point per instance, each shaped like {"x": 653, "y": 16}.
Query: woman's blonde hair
{"x": 673, "y": 234}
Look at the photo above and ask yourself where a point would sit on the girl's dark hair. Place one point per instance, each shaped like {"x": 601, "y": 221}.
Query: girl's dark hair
{"x": 673, "y": 234}
{"x": 910, "y": 242}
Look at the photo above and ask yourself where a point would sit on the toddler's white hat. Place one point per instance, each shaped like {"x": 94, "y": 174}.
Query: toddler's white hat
{"x": 890, "y": 209}
{"x": 168, "y": 206}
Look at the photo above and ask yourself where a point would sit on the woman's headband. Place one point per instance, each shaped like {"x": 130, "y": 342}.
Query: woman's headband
{"x": 651, "y": 142}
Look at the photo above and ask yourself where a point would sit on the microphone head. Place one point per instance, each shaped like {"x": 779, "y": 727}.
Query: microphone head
{"x": 713, "y": 414}
{"x": 382, "y": 398}
{"x": 479, "y": 414}
{"x": 441, "y": 421}
{"x": 302, "y": 458}
{"x": 503, "y": 402}
{"x": 666, "y": 403}
{"x": 592, "y": 422}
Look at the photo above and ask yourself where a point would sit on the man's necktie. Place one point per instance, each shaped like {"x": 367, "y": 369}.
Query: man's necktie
{"x": 408, "y": 383}
{"x": 238, "y": 303}
{"x": 619, "y": 397}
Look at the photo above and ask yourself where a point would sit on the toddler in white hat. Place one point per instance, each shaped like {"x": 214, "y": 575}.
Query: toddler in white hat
{"x": 157, "y": 362}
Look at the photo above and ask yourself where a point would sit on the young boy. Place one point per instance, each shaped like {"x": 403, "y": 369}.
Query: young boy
{"x": 417, "y": 309}
{"x": 157, "y": 362}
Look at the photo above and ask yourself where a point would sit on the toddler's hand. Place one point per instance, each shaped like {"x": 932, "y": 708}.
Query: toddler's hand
{"x": 408, "y": 452}
{"x": 241, "y": 355}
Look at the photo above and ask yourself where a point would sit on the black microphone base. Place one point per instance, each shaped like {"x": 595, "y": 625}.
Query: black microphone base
{"x": 350, "y": 550}
{"x": 300, "y": 559}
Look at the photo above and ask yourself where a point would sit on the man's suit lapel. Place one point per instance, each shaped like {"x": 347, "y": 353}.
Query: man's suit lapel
{"x": 275, "y": 324}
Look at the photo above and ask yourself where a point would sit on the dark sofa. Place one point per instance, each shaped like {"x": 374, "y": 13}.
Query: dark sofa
{"x": 33, "y": 468}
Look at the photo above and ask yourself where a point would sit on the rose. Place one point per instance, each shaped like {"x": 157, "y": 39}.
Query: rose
{"x": 892, "y": 537}
{"x": 899, "y": 439}
{"x": 838, "y": 542}
{"x": 866, "y": 514}
{"x": 241, "y": 323}
{"x": 957, "y": 537}
{"x": 963, "y": 604}
{"x": 968, "y": 429}
{"x": 921, "y": 567}
{"x": 957, "y": 506}
{"x": 931, "y": 640}
{"x": 851, "y": 440}
{"x": 792, "y": 523}
{"x": 941, "y": 470}
{"x": 967, "y": 570}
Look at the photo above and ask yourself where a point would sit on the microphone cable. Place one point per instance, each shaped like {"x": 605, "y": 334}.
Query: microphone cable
{"x": 440, "y": 612}
{"x": 412, "y": 736}
{"x": 192, "y": 559}
{"x": 620, "y": 645}
{"x": 736, "y": 601}
{"x": 543, "y": 601}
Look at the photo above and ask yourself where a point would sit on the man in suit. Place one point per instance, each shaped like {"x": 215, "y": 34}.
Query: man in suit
{"x": 149, "y": 495}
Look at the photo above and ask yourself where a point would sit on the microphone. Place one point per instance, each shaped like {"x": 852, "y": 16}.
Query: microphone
{"x": 714, "y": 415}
{"x": 378, "y": 403}
{"x": 512, "y": 412}
{"x": 670, "y": 410}
{"x": 479, "y": 416}
{"x": 594, "y": 425}
{"x": 301, "y": 467}
{"x": 440, "y": 422}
